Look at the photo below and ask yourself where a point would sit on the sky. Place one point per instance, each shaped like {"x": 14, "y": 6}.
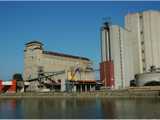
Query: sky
{"x": 67, "y": 27}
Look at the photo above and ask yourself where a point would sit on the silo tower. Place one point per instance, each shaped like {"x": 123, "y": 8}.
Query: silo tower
{"x": 32, "y": 55}
{"x": 106, "y": 65}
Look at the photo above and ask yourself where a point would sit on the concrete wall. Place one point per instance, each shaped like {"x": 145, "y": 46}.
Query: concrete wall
{"x": 152, "y": 38}
{"x": 122, "y": 56}
{"x": 32, "y": 56}
{"x": 36, "y": 59}
{"x": 144, "y": 36}
{"x": 132, "y": 24}
{"x": 116, "y": 54}
{"x": 103, "y": 46}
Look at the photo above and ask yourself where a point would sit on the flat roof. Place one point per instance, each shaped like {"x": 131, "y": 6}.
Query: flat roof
{"x": 65, "y": 55}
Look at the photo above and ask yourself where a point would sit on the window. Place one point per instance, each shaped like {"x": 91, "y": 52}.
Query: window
{"x": 143, "y": 60}
{"x": 144, "y": 69}
{"x": 142, "y": 42}
{"x": 140, "y": 16}
{"x": 141, "y": 32}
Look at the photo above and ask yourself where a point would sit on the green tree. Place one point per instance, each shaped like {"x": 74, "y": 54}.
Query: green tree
{"x": 17, "y": 76}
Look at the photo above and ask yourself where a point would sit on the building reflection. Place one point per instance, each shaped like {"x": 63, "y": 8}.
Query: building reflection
{"x": 59, "y": 108}
{"x": 108, "y": 107}
{"x": 10, "y": 108}
{"x": 79, "y": 108}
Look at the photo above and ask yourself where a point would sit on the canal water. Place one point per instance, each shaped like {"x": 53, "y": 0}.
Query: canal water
{"x": 74, "y": 108}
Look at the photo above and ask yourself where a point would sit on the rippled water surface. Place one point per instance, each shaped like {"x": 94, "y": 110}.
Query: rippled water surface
{"x": 80, "y": 108}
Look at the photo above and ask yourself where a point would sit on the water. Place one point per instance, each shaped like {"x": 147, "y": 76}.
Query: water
{"x": 80, "y": 108}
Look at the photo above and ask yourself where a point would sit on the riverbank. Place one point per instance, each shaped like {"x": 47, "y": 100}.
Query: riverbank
{"x": 107, "y": 94}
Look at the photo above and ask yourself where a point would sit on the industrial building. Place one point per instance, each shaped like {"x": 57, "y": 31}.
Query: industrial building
{"x": 120, "y": 53}
{"x": 45, "y": 69}
{"x": 115, "y": 48}
{"x": 145, "y": 36}
{"x": 106, "y": 65}
{"x": 130, "y": 50}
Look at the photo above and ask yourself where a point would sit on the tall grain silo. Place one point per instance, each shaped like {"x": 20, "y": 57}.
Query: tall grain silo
{"x": 106, "y": 65}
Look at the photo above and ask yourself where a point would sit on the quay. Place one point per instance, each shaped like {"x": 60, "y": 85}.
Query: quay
{"x": 127, "y": 93}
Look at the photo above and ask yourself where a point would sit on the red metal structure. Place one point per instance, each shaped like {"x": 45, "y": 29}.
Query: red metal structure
{"x": 107, "y": 74}
{"x": 1, "y": 86}
{"x": 8, "y": 86}
{"x": 106, "y": 65}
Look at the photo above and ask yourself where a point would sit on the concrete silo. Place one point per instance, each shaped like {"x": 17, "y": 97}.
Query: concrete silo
{"x": 106, "y": 65}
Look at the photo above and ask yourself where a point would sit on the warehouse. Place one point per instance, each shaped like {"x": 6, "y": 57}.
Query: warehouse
{"x": 54, "y": 68}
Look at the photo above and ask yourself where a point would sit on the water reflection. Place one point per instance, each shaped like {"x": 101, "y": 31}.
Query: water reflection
{"x": 131, "y": 108}
{"x": 79, "y": 108}
{"x": 59, "y": 108}
{"x": 10, "y": 108}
